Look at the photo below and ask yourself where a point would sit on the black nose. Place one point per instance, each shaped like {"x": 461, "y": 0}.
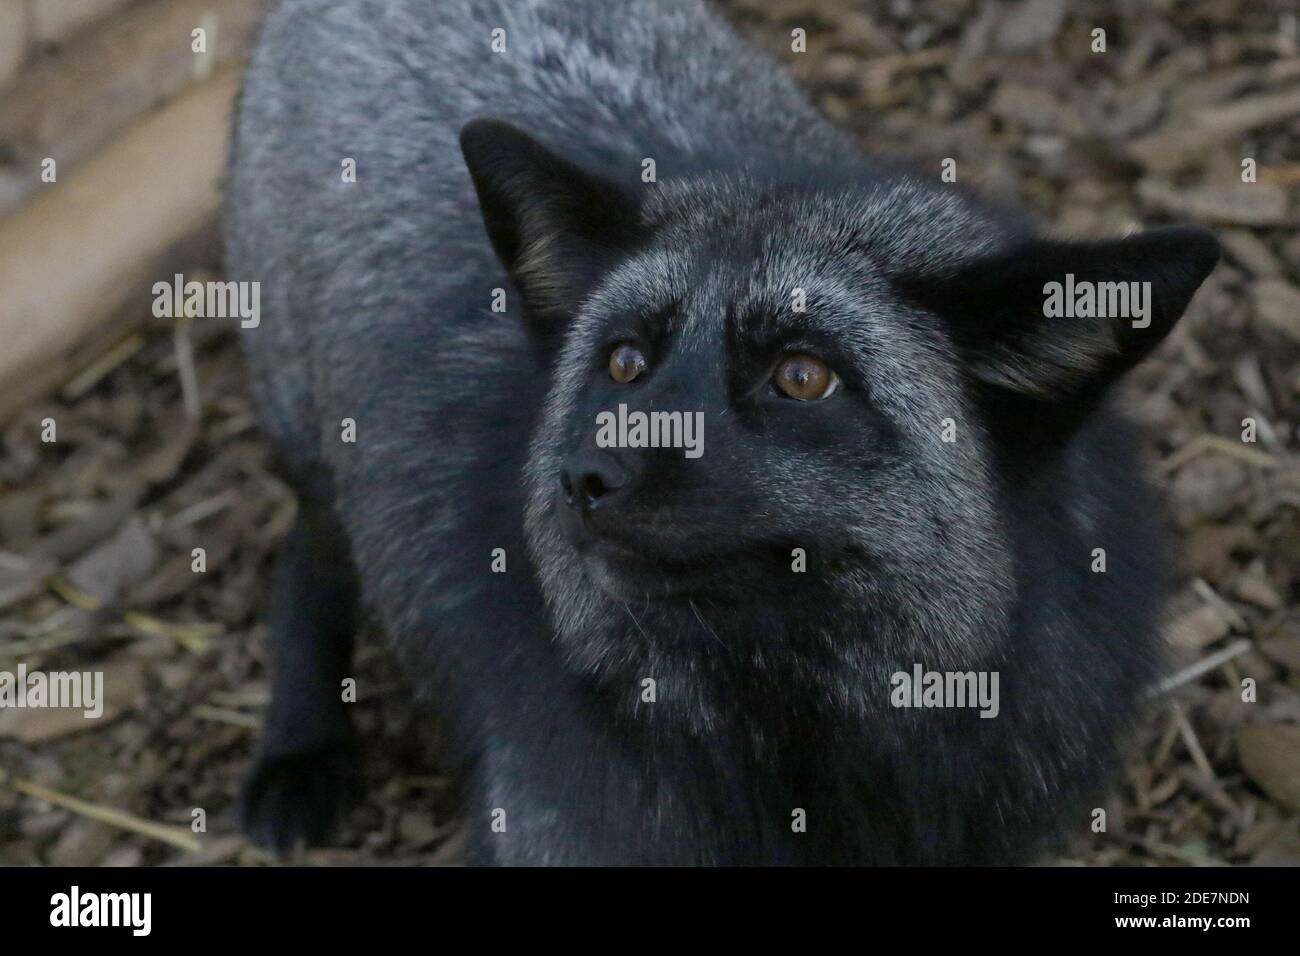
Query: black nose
{"x": 590, "y": 479}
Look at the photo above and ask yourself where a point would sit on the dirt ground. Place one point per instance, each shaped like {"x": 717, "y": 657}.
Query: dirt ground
{"x": 157, "y": 453}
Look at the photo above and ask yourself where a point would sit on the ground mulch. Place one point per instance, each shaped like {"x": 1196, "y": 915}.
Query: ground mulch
{"x": 158, "y": 452}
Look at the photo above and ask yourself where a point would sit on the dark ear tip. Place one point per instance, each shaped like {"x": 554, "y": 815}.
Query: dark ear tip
{"x": 475, "y": 132}
{"x": 483, "y": 133}
{"x": 1194, "y": 245}
{"x": 1205, "y": 247}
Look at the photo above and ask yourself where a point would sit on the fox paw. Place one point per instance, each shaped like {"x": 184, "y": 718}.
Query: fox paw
{"x": 299, "y": 798}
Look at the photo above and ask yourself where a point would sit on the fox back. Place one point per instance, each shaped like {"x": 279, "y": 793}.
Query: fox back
{"x": 568, "y": 216}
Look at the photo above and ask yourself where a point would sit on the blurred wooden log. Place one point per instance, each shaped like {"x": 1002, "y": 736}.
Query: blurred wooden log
{"x": 1185, "y": 140}
{"x": 78, "y": 261}
{"x": 13, "y": 38}
{"x": 56, "y": 20}
{"x": 73, "y": 102}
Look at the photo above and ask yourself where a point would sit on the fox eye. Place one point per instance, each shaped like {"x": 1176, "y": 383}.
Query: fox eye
{"x": 625, "y": 363}
{"x": 805, "y": 378}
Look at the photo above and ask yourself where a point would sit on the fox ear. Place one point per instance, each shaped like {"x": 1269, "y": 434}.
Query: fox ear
{"x": 554, "y": 226}
{"x": 1060, "y": 321}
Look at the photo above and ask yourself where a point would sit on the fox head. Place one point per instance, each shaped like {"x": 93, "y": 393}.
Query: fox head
{"x": 858, "y": 354}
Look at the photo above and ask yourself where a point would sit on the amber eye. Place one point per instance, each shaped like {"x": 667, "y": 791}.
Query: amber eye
{"x": 625, "y": 363}
{"x": 805, "y": 378}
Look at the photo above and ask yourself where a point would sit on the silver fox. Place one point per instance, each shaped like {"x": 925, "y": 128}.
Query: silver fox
{"x": 646, "y": 658}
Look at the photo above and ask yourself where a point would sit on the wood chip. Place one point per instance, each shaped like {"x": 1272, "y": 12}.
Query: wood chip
{"x": 1270, "y": 755}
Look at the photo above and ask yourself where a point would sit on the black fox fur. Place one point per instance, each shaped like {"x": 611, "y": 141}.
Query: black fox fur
{"x": 685, "y": 660}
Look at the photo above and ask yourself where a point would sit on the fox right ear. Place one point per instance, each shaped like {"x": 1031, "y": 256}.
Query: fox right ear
{"x": 1008, "y": 313}
{"x": 554, "y": 226}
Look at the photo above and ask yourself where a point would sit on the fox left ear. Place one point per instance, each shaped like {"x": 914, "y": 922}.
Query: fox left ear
{"x": 1061, "y": 320}
{"x": 554, "y": 226}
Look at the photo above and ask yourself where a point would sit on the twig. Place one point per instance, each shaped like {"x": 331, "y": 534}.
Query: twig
{"x": 193, "y": 637}
{"x": 185, "y": 369}
{"x": 1211, "y": 596}
{"x": 1219, "y": 444}
{"x": 43, "y": 644}
{"x": 1203, "y": 666}
{"x": 176, "y": 836}
{"x": 1158, "y": 848}
{"x": 225, "y": 715}
{"x": 90, "y": 376}
{"x": 1193, "y": 745}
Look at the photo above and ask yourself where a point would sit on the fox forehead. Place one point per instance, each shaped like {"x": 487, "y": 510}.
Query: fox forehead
{"x": 897, "y": 222}
{"x": 731, "y": 255}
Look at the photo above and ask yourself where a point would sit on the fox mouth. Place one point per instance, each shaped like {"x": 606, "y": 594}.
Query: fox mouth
{"x": 626, "y": 574}
{"x": 631, "y": 559}
{"x": 622, "y": 566}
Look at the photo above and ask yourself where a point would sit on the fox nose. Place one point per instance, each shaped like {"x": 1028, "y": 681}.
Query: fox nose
{"x": 590, "y": 479}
